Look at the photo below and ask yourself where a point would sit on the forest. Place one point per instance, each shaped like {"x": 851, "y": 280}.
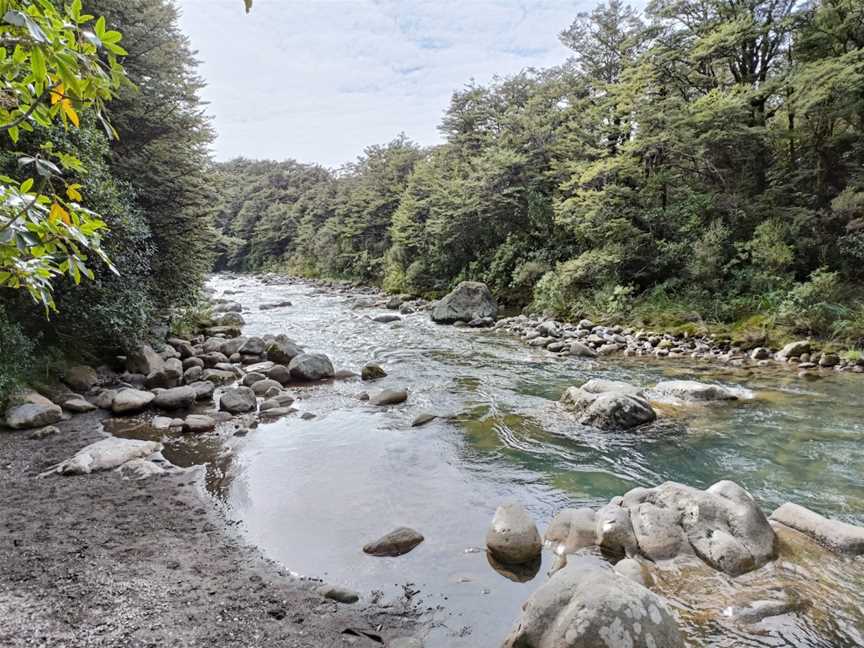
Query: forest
{"x": 698, "y": 164}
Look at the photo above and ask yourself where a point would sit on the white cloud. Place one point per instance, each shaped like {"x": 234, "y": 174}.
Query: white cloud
{"x": 319, "y": 80}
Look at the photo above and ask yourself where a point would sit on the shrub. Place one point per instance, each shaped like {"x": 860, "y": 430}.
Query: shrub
{"x": 16, "y": 356}
{"x": 814, "y": 306}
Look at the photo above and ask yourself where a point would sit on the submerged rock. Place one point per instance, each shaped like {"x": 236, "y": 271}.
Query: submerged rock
{"x": 423, "y": 419}
{"x": 587, "y": 605}
{"x": 513, "y": 537}
{"x": 386, "y": 318}
{"x": 691, "y": 390}
{"x": 833, "y": 534}
{"x": 395, "y": 543}
{"x": 372, "y": 371}
{"x": 389, "y": 397}
{"x": 613, "y": 410}
{"x": 470, "y": 300}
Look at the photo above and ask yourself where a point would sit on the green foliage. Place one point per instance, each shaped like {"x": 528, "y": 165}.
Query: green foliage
{"x": 687, "y": 165}
{"x": 16, "y": 354}
{"x": 54, "y": 63}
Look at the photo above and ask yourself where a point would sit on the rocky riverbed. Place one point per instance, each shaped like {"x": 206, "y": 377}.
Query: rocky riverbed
{"x": 299, "y": 400}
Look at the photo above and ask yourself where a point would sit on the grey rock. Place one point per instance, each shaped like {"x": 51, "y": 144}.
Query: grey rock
{"x": 280, "y": 374}
{"x": 468, "y": 301}
{"x": 176, "y": 398}
{"x": 602, "y": 386}
{"x": 260, "y": 387}
{"x": 198, "y": 423}
{"x": 794, "y": 350}
{"x": 252, "y": 377}
{"x": 372, "y": 371}
{"x": 608, "y": 411}
{"x": 192, "y": 374}
{"x": 587, "y": 605}
{"x": 188, "y": 363}
{"x": 213, "y": 358}
{"x": 43, "y": 433}
{"x": 274, "y": 305}
{"x": 203, "y": 389}
{"x": 389, "y": 397}
{"x": 311, "y": 367}
{"x": 423, "y": 419}
{"x": 572, "y": 530}
{"x": 512, "y": 537}
{"x": 218, "y": 377}
{"x": 833, "y": 534}
{"x": 104, "y": 399}
{"x": 253, "y": 346}
{"x": 32, "y": 415}
{"x": 691, "y": 390}
{"x": 395, "y": 543}
{"x": 582, "y": 351}
{"x": 338, "y": 594}
{"x": 81, "y": 378}
{"x": 78, "y": 405}
{"x": 238, "y": 400}
{"x": 143, "y": 360}
{"x": 282, "y": 350}
{"x": 635, "y": 571}
{"x": 128, "y": 401}
{"x": 386, "y": 318}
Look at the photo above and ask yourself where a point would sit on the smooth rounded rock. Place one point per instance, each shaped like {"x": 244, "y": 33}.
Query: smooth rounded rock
{"x": 513, "y": 536}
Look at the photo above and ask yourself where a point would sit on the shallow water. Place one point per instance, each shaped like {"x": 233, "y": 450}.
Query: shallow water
{"x": 311, "y": 493}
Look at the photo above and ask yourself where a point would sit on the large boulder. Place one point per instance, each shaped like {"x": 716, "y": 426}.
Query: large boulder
{"x": 722, "y": 525}
{"x": 512, "y": 537}
{"x": 610, "y": 411}
{"x": 311, "y": 366}
{"x": 81, "y": 378}
{"x": 794, "y": 350}
{"x": 237, "y": 400}
{"x": 176, "y": 398}
{"x": 282, "y": 349}
{"x": 572, "y": 530}
{"x": 692, "y": 390}
{"x": 469, "y": 301}
{"x": 104, "y": 455}
{"x": 834, "y": 534}
{"x": 143, "y": 360}
{"x": 588, "y": 605}
{"x": 129, "y": 401}
{"x": 25, "y": 416}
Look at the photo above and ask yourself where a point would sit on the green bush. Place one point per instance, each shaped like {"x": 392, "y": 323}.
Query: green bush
{"x": 16, "y": 356}
{"x": 814, "y": 306}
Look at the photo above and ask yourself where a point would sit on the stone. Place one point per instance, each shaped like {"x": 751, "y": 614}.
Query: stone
{"x": 608, "y": 411}
{"x": 218, "y": 377}
{"x": 252, "y": 377}
{"x": 512, "y": 537}
{"x": 192, "y": 374}
{"x": 602, "y": 386}
{"x": 272, "y": 392}
{"x": 105, "y": 455}
{"x": 722, "y": 525}
{"x": 260, "y": 387}
{"x": 165, "y": 423}
{"x": 275, "y": 412}
{"x": 386, "y": 318}
{"x": 280, "y": 374}
{"x": 372, "y": 371}
{"x": 282, "y": 350}
{"x": 188, "y": 363}
{"x": 104, "y": 399}
{"x": 588, "y": 605}
{"x": 794, "y": 350}
{"x": 136, "y": 469}
{"x": 43, "y": 433}
{"x": 760, "y": 353}
{"x": 260, "y": 367}
{"x": 468, "y": 301}
{"x": 834, "y": 534}
{"x": 129, "y": 401}
{"x": 338, "y": 594}
{"x": 274, "y": 305}
{"x": 229, "y": 319}
{"x": 253, "y": 346}
{"x": 828, "y": 360}
{"x": 571, "y": 530}
{"x": 81, "y": 378}
{"x": 238, "y": 400}
{"x": 389, "y": 397}
{"x": 78, "y": 405}
{"x": 176, "y": 398}
{"x": 25, "y": 416}
{"x": 198, "y": 423}
{"x": 423, "y": 419}
{"x": 691, "y": 390}
{"x": 213, "y": 358}
{"x": 311, "y": 367}
{"x": 395, "y": 543}
{"x": 203, "y": 389}
{"x": 614, "y": 529}
{"x": 143, "y": 360}
{"x": 635, "y": 571}
{"x": 228, "y": 307}
{"x": 581, "y": 350}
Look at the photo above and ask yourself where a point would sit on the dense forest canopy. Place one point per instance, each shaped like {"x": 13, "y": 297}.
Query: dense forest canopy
{"x": 700, "y": 161}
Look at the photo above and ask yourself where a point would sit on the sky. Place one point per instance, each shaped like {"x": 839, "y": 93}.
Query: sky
{"x": 319, "y": 80}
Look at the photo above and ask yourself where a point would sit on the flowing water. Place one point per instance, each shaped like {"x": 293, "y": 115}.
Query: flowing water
{"x": 312, "y": 492}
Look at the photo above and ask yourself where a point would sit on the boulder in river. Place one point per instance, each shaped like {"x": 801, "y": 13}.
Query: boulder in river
{"x": 198, "y": 423}
{"x": 395, "y": 543}
{"x": 175, "y": 398}
{"x": 609, "y": 411}
{"x": 237, "y": 400}
{"x": 794, "y": 350}
{"x": 572, "y": 530}
{"x": 834, "y": 534}
{"x": 692, "y": 390}
{"x": 386, "y": 318}
{"x": 581, "y": 350}
{"x": 280, "y": 374}
{"x": 261, "y": 387}
{"x": 282, "y": 349}
{"x": 129, "y": 401}
{"x": 389, "y": 397}
{"x": 722, "y": 525}
{"x": 143, "y": 360}
{"x": 513, "y": 537}
{"x": 311, "y": 366}
{"x": 423, "y": 419}
{"x": 470, "y": 300}
{"x": 587, "y": 605}
{"x": 372, "y": 371}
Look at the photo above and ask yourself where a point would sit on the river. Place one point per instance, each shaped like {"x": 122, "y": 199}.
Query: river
{"x": 312, "y": 492}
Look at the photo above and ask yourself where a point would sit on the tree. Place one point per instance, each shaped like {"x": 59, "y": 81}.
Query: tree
{"x": 55, "y": 64}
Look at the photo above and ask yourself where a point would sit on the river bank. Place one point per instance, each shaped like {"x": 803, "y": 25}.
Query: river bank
{"x": 97, "y": 560}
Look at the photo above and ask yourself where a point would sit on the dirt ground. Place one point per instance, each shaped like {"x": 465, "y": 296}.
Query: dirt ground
{"x": 98, "y": 561}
